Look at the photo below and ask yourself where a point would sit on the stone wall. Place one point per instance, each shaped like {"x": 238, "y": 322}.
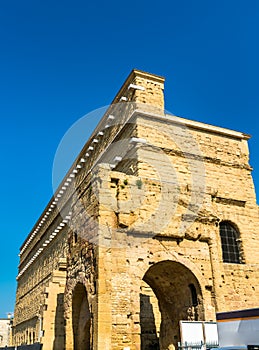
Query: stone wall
{"x": 131, "y": 242}
{"x": 38, "y": 292}
{"x": 128, "y": 253}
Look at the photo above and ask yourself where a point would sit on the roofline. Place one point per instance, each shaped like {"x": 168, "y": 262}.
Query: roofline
{"x": 166, "y": 117}
{"x": 196, "y": 125}
{"x": 170, "y": 118}
{"x": 134, "y": 73}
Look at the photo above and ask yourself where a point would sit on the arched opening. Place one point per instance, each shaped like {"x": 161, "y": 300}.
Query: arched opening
{"x": 179, "y": 297}
{"x": 81, "y": 319}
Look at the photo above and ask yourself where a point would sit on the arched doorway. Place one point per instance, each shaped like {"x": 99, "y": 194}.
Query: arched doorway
{"x": 179, "y": 297}
{"x": 81, "y": 319}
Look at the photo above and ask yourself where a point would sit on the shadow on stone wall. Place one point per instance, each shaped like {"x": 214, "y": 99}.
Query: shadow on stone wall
{"x": 149, "y": 339}
{"x": 59, "y": 340}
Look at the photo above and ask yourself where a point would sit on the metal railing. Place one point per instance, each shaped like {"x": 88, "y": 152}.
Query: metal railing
{"x": 36, "y": 346}
{"x": 196, "y": 346}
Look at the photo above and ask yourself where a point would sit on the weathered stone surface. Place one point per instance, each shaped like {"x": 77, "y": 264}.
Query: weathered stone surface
{"x": 141, "y": 247}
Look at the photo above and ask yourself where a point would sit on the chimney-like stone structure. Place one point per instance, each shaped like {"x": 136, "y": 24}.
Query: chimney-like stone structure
{"x": 144, "y": 89}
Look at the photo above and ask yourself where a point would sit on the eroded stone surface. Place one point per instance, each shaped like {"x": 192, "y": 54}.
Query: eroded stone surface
{"x": 142, "y": 248}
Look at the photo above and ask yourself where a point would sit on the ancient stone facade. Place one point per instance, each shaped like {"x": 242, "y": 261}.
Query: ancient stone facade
{"x": 155, "y": 222}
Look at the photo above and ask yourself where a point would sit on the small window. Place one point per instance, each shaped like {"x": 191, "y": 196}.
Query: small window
{"x": 193, "y": 294}
{"x": 230, "y": 243}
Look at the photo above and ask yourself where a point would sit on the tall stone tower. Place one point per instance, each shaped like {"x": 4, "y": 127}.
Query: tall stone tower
{"x": 155, "y": 222}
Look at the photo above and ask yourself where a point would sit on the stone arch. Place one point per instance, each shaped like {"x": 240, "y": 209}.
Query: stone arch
{"x": 230, "y": 222}
{"x": 170, "y": 281}
{"x": 74, "y": 280}
{"x": 81, "y": 319}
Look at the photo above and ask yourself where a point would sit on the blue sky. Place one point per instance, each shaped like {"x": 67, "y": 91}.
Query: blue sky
{"x": 62, "y": 59}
